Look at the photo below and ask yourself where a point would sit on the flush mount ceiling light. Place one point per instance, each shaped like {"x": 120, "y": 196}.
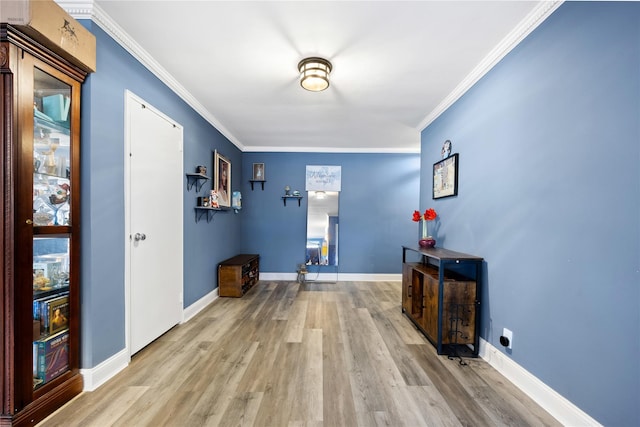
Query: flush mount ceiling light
{"x": 314, "y": 74}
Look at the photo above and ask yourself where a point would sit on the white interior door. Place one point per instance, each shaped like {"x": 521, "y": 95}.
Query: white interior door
{"x": 155, "y": 223}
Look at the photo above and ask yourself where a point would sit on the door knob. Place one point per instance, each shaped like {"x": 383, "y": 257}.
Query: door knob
{"x": 139, "y": 236}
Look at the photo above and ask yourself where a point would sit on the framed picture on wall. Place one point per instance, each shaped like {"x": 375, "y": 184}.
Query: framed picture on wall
{"x": 258, "y": 171}
{"x": 445, "y": 177}
{"x": 222, "y": 179}
{"x": 323, "y": 178}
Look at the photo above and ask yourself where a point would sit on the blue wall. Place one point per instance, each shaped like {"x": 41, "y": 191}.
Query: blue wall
{"x": 379, "y": 194}
{"x": 549, "y": 195}
{"x": 103, "y": 233}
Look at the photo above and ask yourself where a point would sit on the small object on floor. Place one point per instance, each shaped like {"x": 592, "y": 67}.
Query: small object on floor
{"x": 302, "y": 273}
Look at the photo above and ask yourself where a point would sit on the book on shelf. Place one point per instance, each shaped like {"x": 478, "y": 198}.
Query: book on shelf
{"x": 52, "y": 312}
{"x": 56, "y": 107}
{"x": 58, "y": 312}
{"x": 51, "y": 356}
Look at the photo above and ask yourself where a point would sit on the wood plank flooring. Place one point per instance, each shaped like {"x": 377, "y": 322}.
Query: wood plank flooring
{"x": 316, "y": 354}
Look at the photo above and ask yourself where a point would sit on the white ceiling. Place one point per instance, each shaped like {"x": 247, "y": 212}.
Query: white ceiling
{"x": 396, "y": 65}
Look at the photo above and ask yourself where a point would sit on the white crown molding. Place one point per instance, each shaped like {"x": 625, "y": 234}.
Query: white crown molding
{"x": 76, "y": 8}
{"x": 89, "y": 10}
{"x": 536, "y": 17}
{"x": 252, "y": 149}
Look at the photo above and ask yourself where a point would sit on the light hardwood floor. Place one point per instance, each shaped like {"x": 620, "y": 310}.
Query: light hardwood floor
{"x": 286, "y": 354}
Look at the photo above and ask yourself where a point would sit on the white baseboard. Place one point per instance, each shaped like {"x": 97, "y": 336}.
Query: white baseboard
{"x": 334, "y": 277}
{"x": 361, "y": 277}
{"x": 278, "y": 276}
{"x": 195, "y": 308}
{"x": 563, "y": 410}
{"x": 560, "y": 408}
{"x": 95, "y": 377}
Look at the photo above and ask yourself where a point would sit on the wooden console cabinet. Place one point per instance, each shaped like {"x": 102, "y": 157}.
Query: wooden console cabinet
{"x": 441, "y": 294}
{"x": 238, "y": 274}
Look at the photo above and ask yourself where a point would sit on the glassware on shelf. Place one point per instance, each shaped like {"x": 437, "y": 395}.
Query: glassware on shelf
{"x": 50, "y": 263}
{"x": 49, "y": 159}
{"x": 50, "y": 164}
{"x": 51, "y": 202}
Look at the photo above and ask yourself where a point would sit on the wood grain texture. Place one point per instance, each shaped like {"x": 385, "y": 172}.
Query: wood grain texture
{"x": 313, "y": 354}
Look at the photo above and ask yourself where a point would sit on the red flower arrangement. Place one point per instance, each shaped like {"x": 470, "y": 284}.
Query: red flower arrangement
{"x": 428, "y": 215}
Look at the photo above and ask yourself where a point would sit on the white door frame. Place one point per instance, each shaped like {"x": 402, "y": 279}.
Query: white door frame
{"x": 127, "y": 215}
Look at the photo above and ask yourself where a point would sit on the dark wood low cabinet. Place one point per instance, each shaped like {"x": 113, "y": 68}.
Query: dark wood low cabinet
{"x": 238, "y": 274}
{"x": 441, "y": 295}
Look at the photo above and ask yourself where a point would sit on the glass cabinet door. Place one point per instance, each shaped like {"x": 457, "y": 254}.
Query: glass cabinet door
{"x": 52, "y": 190}
{"x": 51, "y": 151}
{"x": 51, "y": 312}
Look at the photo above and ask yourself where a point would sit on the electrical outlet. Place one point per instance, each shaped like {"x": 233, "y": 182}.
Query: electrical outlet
{"x": 506, "y": 333}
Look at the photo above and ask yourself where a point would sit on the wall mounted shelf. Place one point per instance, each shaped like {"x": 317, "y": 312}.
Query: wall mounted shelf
{"x": 262, "y": 181}
{"x": 201, "y": 210}
{"x": 196, "y": 179}
{"x": 284, "y": 199}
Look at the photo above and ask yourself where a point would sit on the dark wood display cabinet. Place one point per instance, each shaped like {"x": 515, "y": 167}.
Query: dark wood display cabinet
{"x": 238, "y": 274}
{"x": 441, "y": 294}
{"x": 40, "y": 167}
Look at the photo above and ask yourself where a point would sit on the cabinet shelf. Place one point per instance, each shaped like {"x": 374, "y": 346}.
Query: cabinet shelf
{"x": 196, "y": 179}
{"x": 52, "y": 230}
{"x": 48, "y": 292}
{"x": 42, "y": 121}
{"x": 284, "y": 199}
{"x": 40, "y": 175}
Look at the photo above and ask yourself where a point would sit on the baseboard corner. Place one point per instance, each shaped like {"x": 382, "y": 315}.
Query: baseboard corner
{"x": 98, "y": 375}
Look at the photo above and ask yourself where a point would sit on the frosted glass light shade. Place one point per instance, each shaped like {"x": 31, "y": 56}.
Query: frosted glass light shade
{"x": 314, "y": 74}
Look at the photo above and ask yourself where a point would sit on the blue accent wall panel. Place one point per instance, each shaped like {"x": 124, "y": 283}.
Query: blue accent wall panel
{"x": 379, "y": 194}
{"x": 549, "y": 195}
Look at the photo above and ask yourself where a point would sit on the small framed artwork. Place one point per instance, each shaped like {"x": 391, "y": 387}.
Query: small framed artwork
{"x": 258, "y": 171}
{"x": 445, "y": 177}
{"x": 222, "y": 181}
{"x": 446, "y": 149}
